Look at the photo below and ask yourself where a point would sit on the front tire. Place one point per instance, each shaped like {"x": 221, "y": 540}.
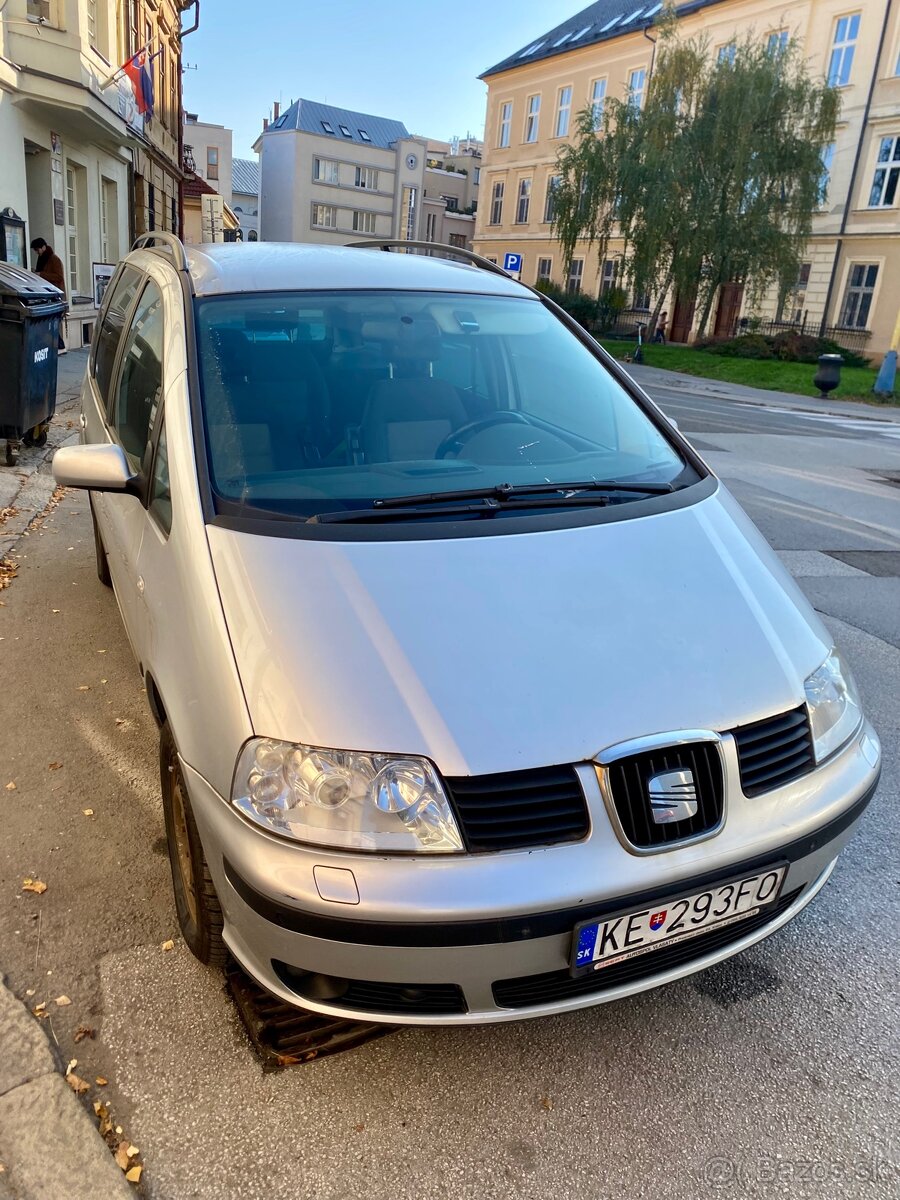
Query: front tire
{"x": 196, "y": 902}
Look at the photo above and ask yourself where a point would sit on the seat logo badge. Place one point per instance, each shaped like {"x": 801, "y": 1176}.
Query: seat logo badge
{"x": 673, "y": 796}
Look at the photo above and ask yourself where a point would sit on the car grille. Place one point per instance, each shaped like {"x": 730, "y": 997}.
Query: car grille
{"x": 377, "y": 996}
{"x": 773, "y": 752}
{"x": 532, "y": 990}
{"x": 512, "y": 810}
{"x": 628, "y": 779}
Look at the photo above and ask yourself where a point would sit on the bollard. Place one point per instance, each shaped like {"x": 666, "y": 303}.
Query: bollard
{"x": 828, "y": 376}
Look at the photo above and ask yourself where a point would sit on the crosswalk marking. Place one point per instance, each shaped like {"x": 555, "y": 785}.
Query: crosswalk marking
{"x": 872, "y": 427}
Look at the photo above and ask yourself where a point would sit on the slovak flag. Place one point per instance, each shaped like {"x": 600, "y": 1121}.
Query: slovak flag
{"x": 140, "y": 72}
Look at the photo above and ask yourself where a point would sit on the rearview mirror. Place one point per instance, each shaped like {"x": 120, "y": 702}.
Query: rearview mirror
{"x": 99, "y": 468}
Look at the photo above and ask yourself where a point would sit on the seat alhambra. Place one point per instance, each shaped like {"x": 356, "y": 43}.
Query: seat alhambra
{"x": 479, "y": 696}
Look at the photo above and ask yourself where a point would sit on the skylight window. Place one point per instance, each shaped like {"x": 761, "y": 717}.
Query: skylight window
{"x": 345, "y": 131}
{"x": 651, "y": 12}
{"x": 565, "y": 37}
{"x": 365, "y": 137}
{"x": 609, "y": 24}
{"x": 634, "y": 16}
{"x": 328, "y": 127}
{"x": 532, "y": 49}
{"x": 581, "y": 32}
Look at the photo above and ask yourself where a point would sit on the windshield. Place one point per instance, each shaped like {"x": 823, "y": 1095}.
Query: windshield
{"x": 336, "y": 400}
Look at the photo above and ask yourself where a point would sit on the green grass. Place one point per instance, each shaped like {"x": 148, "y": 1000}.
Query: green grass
{"x": 856, "y": 382}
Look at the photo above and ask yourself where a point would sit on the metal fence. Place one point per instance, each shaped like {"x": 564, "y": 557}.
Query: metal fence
{"x": 855, "y": 340}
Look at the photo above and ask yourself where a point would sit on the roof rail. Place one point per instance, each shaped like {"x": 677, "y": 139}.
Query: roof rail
{"x": 166, "y": 240}
{"x": 470, "y": 256}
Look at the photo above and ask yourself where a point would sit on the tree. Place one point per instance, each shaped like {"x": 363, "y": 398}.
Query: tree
{"x": 716, "y": 179}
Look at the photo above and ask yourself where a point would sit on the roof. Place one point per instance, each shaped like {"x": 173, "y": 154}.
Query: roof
{"x": 309, "y": 115}
{"x": 284, "y": 266}
{"x": 245, "y": 176}
{"x": 599, "y": 22}
{"x": 195, "y": 186}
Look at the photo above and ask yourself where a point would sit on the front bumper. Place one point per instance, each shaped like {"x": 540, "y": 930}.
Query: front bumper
{"x": 474, "y": 939}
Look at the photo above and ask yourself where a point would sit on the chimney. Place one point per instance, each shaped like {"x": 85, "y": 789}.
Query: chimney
{"x": 265, "y": 124}
{"x": 277, "y": 111}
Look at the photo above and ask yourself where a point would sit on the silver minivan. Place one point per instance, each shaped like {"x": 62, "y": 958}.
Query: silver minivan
{"x": 479, "y": 696}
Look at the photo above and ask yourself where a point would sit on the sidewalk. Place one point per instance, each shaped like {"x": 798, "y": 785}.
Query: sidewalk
{"x": 650, "y": 377}
{"x": 27, "y": 487}
{"x": 49, "y": 1146}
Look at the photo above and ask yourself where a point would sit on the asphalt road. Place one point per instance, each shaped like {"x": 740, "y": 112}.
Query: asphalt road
{"x": 775, "y": 1073}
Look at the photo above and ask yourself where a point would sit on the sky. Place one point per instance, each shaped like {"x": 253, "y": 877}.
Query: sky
{"x": 410, "y": 60}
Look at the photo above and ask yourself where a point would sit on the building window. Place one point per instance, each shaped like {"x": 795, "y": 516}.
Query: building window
{"x": 345, "y": 131}
{"x": 846, "y": 32}
{"x": 497, "y": 203}
{"x": 409, "y": 201}
{"x": 457, "y": 239}
{"x": 175, "y": 228}
{"x": 523, "y": 202}
{"x": 41, "y": 11}
{"x": 505, "y": 123}
{"x": 151, "y": 208}
{"x": 324, "y": 216}
{"x": 365, "y": 137}
{"x": 563, "y": 111}
{"x": 366, "y": 177}
{"x": 825, "y": 178}
{"x": 364, "y": 222}
{"x": 477, "y": 176}
{"x": 576, "y": 270}
{"x": 430, "y": 226}
{"x": 452, "y": 203}
{"x": 109, "y": 221}
{"x": 532, "y": 119}
{"x": 858, "y": 296}
{"x": 608, "y": 276}
{"x": 174, "y": 106}
{"x": 637, "y": 81}
{"x": 492, "y": 260}
{"x": 325, "y": 170}
{"x": 777, "y": 42}
{"x": 92, "y": 21}
{"x": 550, "y": 203}
{"x": 727, "y": 53}
{"x": 544, "y": 268}
{"x": 887, "y": 174}
{"x": 73, "y": 216}
{"x": 598, "y": 100}
{"x": 212, "y": 162}
{"x": 328, "y": 127}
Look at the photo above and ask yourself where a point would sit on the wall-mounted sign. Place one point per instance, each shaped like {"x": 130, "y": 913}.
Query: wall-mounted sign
{"x": 12, "y": 238}
{"x": 212, "y": 218}
{"x": 101, "y": 273}
{"x": 59, "y": 216}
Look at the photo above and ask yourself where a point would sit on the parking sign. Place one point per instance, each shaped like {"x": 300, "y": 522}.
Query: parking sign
{"x": 512, "y": 263}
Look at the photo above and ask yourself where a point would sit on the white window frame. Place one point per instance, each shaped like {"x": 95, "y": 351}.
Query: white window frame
{"x": 497, "y": 191}
{"x": 609, "y": 274}
{"x": 859, "y": 292}
{"x": 563, "y": 110}
{"x": 727, "y": 53}
{"x": 430, "y": 226}
{"x": 109, "y": 220}
{"x": 598, "y": 99}
{"x": 523, "y": 200}
{"x": 505, "y": 126}
{"x": 887, "y": 166}
{"x": 544, "y": 270}
{"x": 476, "y": 176}
{"x": 328, "y": 213}
{"x": 533, "y": 118}
{"x": 326, "y": 170}
{"x": 827, "y": 156}
{"x": 366, "y": 177}
{"x": 575, "y": 276}
{"x": 843, "y": 48}
{"x": 72, "y": 227}
{"x": 636, "y": 94}
{"x": 363, "y": 221}
{"x": 552, "y": 183}
{"x": 777, "y": 41}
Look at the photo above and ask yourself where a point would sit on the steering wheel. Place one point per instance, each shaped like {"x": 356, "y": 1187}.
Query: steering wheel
{"x": 455, "y": 441}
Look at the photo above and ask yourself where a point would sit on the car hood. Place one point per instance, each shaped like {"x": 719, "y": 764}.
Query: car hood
{"x": 499, "y": 653}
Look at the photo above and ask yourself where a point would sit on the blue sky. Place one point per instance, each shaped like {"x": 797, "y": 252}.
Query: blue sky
{"x": 412, "y": 61}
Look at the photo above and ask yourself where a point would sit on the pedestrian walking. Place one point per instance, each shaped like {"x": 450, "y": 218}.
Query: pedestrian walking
{"x": 659, "y": 334}
{"x": 49, "y": 267}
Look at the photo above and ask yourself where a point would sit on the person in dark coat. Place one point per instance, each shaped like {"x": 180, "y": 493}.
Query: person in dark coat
{"x": 49, "y": 267}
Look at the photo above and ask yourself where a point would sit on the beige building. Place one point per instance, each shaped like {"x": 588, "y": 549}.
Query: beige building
{"x": 208, "y": 154}
{"x": 78, "y": 163}
{"x": 850, "y": 282}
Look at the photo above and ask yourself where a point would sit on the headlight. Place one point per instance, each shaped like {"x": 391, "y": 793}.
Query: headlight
{"x": 833, "y": 704}
{"x": 343, "y": 799}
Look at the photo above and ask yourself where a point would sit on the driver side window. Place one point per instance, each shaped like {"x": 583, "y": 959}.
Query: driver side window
{"x": 140, "y": 381}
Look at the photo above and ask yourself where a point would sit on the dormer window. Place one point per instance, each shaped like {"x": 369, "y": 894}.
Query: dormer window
{"x": 365, "y": 137}
{"x": 345, "y": 131}
{"x": 328, "y": 127}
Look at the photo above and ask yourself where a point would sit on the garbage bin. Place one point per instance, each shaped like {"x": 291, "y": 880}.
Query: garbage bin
{"x": 30, "y": 312}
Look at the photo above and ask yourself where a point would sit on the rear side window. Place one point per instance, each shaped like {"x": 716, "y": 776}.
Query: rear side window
{"x": 140, "y": 381}
{"x": 112, "y": 325}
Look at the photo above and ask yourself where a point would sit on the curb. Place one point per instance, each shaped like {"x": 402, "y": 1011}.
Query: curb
{"x": 48, "y": 1143}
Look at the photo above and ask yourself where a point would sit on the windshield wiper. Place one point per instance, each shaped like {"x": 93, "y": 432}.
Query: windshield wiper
{"x": 489, "y": 502}
{"x": 505, "y": 491}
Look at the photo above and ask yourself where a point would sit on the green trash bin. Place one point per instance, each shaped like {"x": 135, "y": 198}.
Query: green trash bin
{"x": 30, "y": 312}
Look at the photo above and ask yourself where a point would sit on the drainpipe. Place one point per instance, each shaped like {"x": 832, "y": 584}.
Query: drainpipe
{"x": 853, "y": 174}
{"x": 653, "y": 54}
{"x": 182, "y": 35}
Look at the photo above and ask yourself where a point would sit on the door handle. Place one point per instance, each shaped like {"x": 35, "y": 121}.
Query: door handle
{"x": 82, "y": 420}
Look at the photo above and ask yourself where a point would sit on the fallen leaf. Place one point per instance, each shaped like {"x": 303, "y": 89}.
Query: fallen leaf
{"x": 56, "y": 610}
{"x": 82, "y": 1032}
{"x": 54, "y": 766}
{"x": 40, "y": 1010}
{"x": 77, "y": 1084}
{"x": 133, "y": 1151}
{"x": 118, "y": 1129}
{"x": 546, "y": 1103}
{"x": 134, "y": 1175}
{"x": 87, "y": 812}
{"x": 71, "y": 1065}
{"x": 34, "y": 885}
{"x": 100, "y": 1081}
{"x": 101, "y": 651}
{"x": 360, "y": 1128}
{"x": 168, "y": 945}
{"x": 29, "y": 991}
{"x": 62, "y": 1001}
{"x": 104, "y": 681}
{"x": 83, "y": 688}
{"x": 121, "y": 1156}
{"x": 10, "y": 787}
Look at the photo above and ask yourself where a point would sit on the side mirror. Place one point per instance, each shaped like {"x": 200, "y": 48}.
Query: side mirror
{"x": 98, "y": 468}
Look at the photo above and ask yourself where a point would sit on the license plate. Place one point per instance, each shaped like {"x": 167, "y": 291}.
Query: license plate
{"x": 615, "y": 939}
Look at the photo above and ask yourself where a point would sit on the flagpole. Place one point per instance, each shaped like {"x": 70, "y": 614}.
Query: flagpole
{"x": 117, "y": 74}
